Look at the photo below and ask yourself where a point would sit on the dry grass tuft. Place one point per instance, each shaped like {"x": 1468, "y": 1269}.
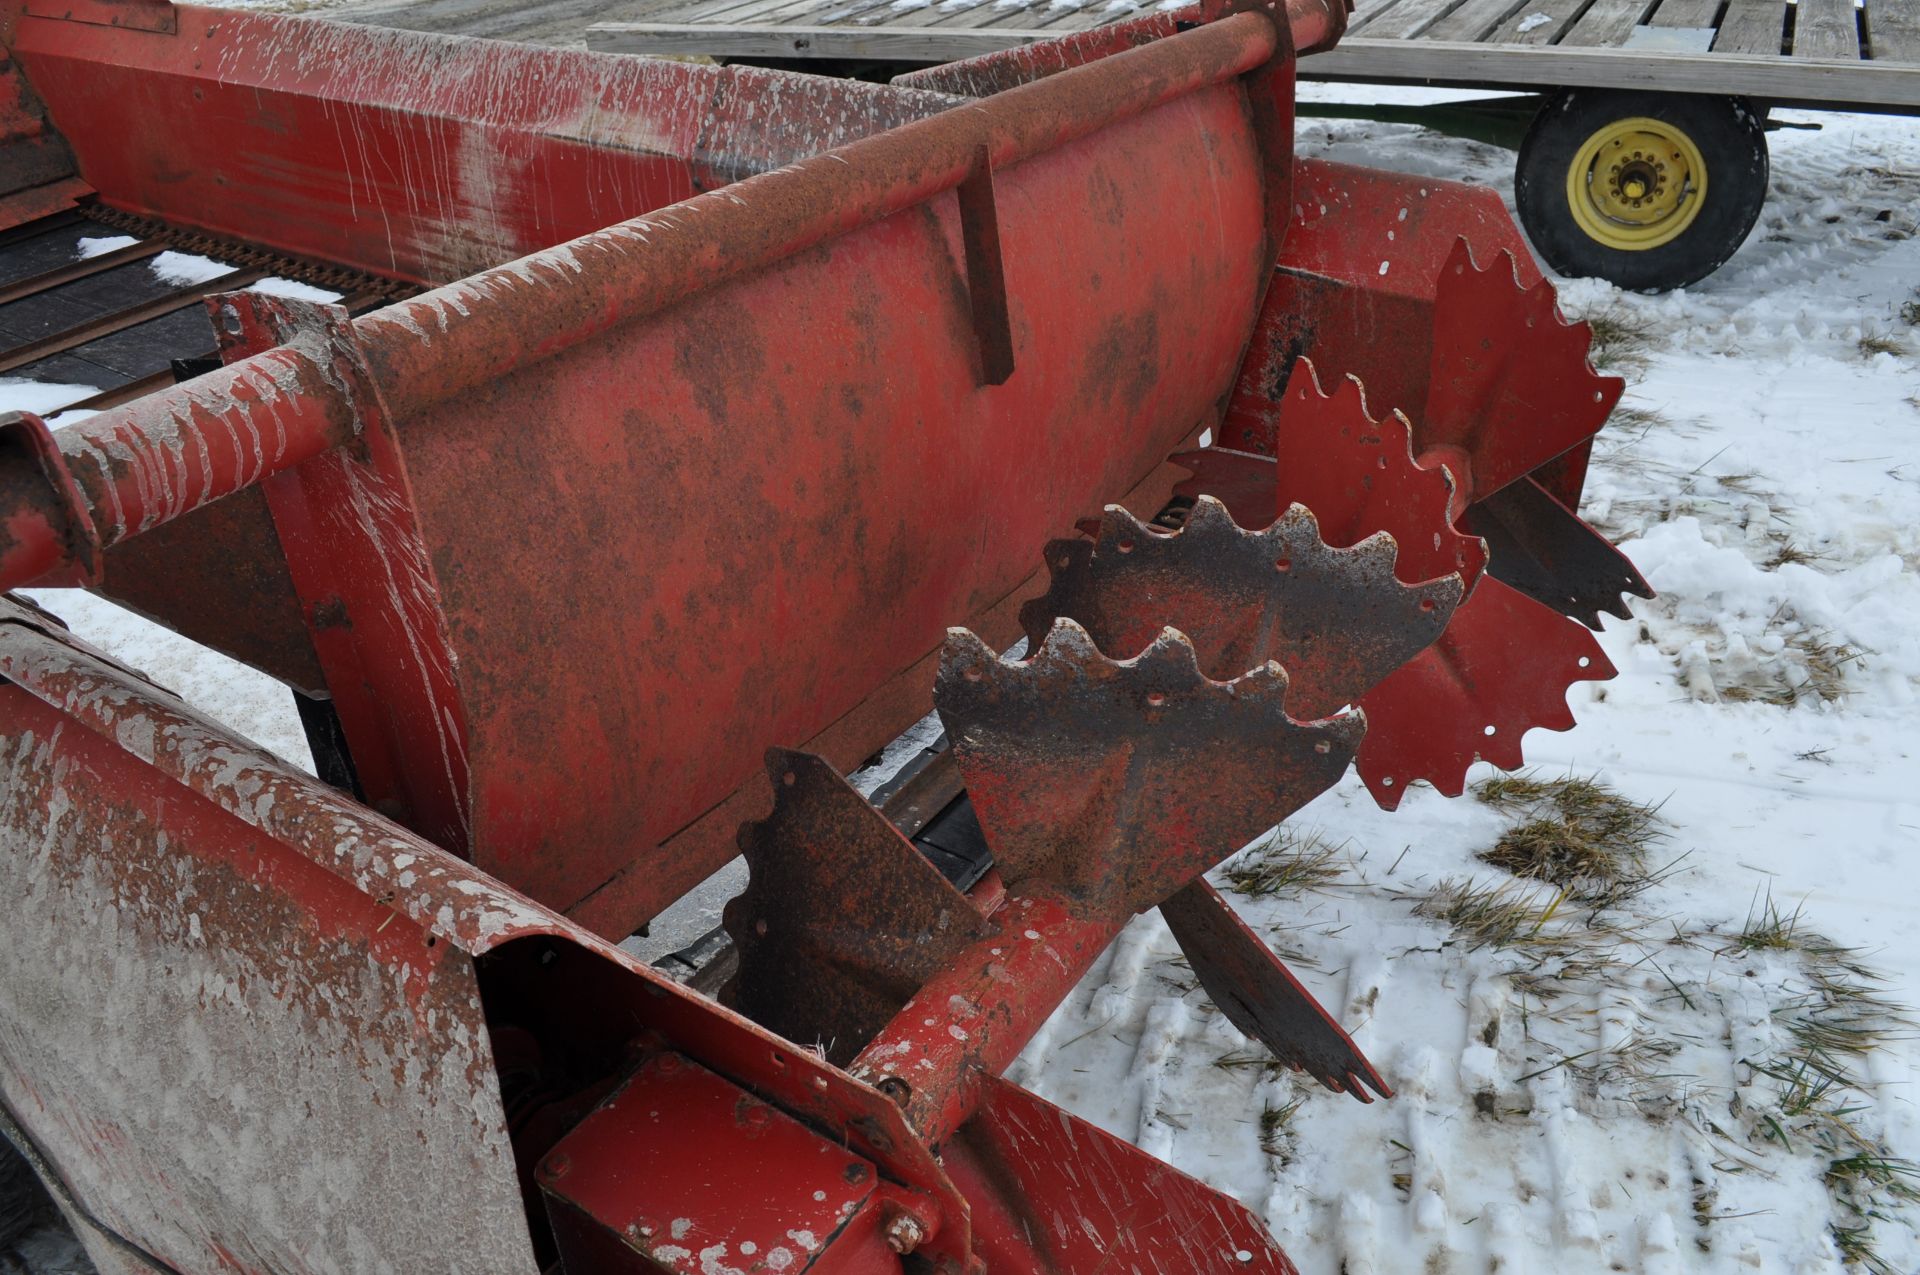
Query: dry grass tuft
{"x": 1575, "y": 834}
{"x": 1286, "y": 865}
{"x": 1276, "y": 1130}
{"x": 1629, "y": 416}
{"x": 1790, "y": 552}
{"x": 1809, "y": 667}
{"x": 1879, "y": 343}
{"x": 1768, "y": 929}
{"x": 1501, "y": 915}
{"x": 1261, "y": 1061}
{"x": 1622, "y": 339}
{"x": 1817, "y": 1083}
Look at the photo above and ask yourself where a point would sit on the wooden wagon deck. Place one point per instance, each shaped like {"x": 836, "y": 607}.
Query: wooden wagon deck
{"x": 1856, "y": 54}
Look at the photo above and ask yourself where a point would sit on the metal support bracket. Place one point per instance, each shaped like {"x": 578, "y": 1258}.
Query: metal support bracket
{"x": 986, "y": 276}
{"x": 52, "y": 529}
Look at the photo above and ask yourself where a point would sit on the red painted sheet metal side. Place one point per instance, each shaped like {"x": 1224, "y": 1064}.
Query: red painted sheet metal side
{"x": 234, "y": 1056}
{"x": 344, "y": 523}
{"x": 36, "y": 168}
{"x": 791, "y": 488}
{"x": 811, "y": 362}
{"x": 306, "y": 911}
{"x": 1063, "y": 1195}
{"x": 413, "y": 155}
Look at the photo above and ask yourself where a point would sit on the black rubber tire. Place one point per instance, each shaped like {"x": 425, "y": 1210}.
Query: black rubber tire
{"x": 1731, "y": 136}
{"x": 23, "y": 1201}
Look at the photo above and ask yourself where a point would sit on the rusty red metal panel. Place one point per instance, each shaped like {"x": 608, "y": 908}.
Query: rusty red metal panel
{"x": 412, "y": 155}
{"x": 49, "y": 535}
{"x": 36, "y": 165}
{"x": 896, "y": 405}
{"x": 1085, "y": 770}
{"x": 1355, "y": 288}
{"x": 351, "y": 898}
{"x": 1502, "y": 668}
{"x": 689, "y": 1175}
{"x": 855, "y": 339}
{"x": 1355, "y": 472}
{"x": 903, "y": 699}
{"x": 1366, "y": 281}
{"x": 197, "y": 1026}
{"x": 969, "y": 1021}
{"x": 893, "y": 446}
{"x": 1511, "y": 387}
{"x": 218, "y": 577}
{"x": 135, "y": 15}
{"x": 1085, "y": 773}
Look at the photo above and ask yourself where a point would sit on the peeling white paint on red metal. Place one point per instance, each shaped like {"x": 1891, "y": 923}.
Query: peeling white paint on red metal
{"x": 360, "y": 935}
{"x": 416, "y": 155}
{"x": 441, "y": 894}
{"x": 226, "y": 1054}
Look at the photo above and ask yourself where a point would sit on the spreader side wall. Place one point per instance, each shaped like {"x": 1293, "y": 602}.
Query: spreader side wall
{"x": 410, "y": 155}
{"x": 664, "y": 551}
{"x": 232, "y": 1058}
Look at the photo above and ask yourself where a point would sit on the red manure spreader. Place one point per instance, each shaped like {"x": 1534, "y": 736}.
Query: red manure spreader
{"x": 683, "y": 435}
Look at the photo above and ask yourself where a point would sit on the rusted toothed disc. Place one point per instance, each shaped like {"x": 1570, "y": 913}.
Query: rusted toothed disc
{"x": 1119, "y": 781}
{"x": 1336, "y": 619}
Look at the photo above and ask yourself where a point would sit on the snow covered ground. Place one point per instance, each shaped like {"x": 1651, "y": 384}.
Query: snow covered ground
{"x": 1702, "y": 1076}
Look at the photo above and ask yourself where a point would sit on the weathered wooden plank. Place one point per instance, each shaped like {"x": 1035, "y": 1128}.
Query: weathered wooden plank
{"x": 1409, "y": 18}
{"x": 1785, "y": 80}
{"x": 1825, "y": 29}
{"x": 1365, "y": 15}
{"x": 709, "y": 11}
{"x": 1607, "y": 23}
{"x": 1032, "y": 16}
{"x": 529, "y": 21}
{"x": 1541, "y": 22}
{"x": 884, "y": 44}
{"x": 973, "y": 13}
{"x": 1893, "y": 30}
{"x": 1752, "y": 26}
{"x": 1473, "y": 20}
{"x": 873, "y": 29}
{"x": 877, "y": 13}
{"x": 761, "y": 12}
{"x": 426, "y": 15}
{"x": 1686, "y": 13}
{"x": 1062, "y": 18}
{"x": 820, "y": 13}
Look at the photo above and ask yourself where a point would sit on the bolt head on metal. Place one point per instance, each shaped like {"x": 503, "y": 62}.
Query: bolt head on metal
{"x": 905, "y": 1234}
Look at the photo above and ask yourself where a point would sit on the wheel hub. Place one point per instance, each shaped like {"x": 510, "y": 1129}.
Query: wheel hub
{"x": 1636, "y": 184}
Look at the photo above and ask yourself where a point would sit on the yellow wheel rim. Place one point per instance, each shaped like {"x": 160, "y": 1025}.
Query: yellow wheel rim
{"x": 1636, "y": 184}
